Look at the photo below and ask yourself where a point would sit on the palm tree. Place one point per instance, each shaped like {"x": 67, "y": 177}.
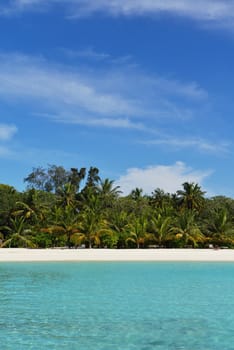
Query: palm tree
{"x": 106, "y": 188}
{"x": 191, "y": 197}
{"x": 117, "y": 221}
{"x": 108, "y": 193}
{"x": 220, "y": 226}
{"x": 91, "y": 221}
{"x": 91, "y": 226}
{"x": 75, "y": 177}
{"x": 137, "y": 231}
{"x": 161, "y": 227}
{"x": 186, "y": 231}
{"x": 35, "y": 206}
{"x": 136, "y": 194}
{"x": 160, "y": 199}
{"x": 23, "y": 209}
{"x": 93, "y": 178}
{"x": 64, "y": 223}
{"x": 19, "y": 235}
{"x": 66, "y": 195}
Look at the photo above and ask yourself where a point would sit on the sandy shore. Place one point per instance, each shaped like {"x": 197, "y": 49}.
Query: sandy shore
{"x": 21, "y": 255}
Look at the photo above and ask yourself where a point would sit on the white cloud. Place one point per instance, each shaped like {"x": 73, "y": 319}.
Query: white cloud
{"x": 210, "y": 10}
{"x": 167, "y": 177}
{"x": 88, "y": 53}
{"x": 98, "y": 95}
{"x": 110, "y": 96}
{"x": 200, "y": 144}
{"x": 175, "y": 87}
{"x": 219, "y": 11}
{"x": 23, "y": 77}
{"x": 7, "y": 131}
{"x": 123, "y": 123}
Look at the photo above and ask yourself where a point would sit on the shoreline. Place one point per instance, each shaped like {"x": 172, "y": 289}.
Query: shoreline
{"x": 122, "y": 255}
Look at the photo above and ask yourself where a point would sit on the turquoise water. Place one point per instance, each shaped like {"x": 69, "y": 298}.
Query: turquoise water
{"x": 119, "y": 306}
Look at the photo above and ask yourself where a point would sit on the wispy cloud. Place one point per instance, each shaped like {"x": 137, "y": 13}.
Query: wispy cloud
{"x": 11, "y": 7}
{"x": 205, "y": 10}
{"x": 123, "y": 123}
{"x": 217, "y": 147}
{"x": 211, "y": 11}
{"x": 105, "y": 96}
{"x": 23, "y": 77}
{"x": 111, "y": 96}
{"x": 167, "y": 177}
{"x": 7, "y": 131}
{"x": 5, "y": 152}
{"x": 88, "y": 53}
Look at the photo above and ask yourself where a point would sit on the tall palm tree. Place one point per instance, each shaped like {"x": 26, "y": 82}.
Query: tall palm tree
{"x": 91, "y": 221}
{"x": 106, "y": 188}
{"x": 75, "y": 177}
{"x": 66, "y": 195}
{"x": 191, "y": 197}
{"x": 93, "y": 177}
{"x": 160, "y": 199}
{"x": 107, "y": 192}
{"x": 136, "y": 194}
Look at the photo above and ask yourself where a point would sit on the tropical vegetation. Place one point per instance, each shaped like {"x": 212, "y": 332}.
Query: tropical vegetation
{"x": 76, "y": 208}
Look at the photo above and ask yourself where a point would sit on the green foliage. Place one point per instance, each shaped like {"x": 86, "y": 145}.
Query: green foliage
{"x": 55, "y": 210}
{"x": 161, "y": 228}
{"x": 19, "y": 234}
{"x": 186, "y": 231}
{"x": 220, "y": 225}
{"x": 54, "y": 178}
{"x": 137, "y": 230}
{"x": 191, "y": 197}
{"x": 64, "y": 223}
{"x": 8, "y": 198}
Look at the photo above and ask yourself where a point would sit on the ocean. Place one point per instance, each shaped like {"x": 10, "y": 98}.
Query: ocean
{"x": 117, "y": 306}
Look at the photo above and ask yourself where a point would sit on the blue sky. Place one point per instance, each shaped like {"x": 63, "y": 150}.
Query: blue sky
{"x": 143, "y": 90}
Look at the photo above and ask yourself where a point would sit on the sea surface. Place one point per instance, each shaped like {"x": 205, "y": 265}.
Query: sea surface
{"x": 119, "y": 306}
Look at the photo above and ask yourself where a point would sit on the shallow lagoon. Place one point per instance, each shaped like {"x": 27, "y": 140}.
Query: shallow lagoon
{"x": 119, "y": 306}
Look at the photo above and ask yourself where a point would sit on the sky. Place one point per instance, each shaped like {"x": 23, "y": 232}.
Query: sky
{"x": 142, "y": 90}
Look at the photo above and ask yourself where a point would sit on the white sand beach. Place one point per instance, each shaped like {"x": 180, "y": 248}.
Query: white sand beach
{"x": 24, "y": 255}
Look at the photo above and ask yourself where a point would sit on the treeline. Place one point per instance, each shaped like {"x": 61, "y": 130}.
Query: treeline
{"x": 76, "y": 208}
